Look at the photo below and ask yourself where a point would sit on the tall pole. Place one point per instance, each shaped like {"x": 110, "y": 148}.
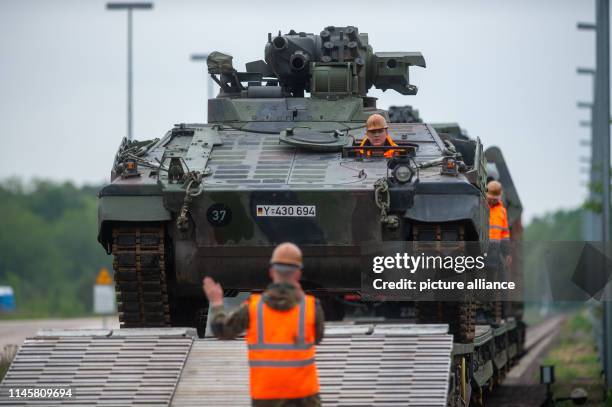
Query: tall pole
{"x": 129, "y": 76}
{"x": 601, "y": 123}
{"x": 599, "y": 227}
{"x": 602, "y": 103}
{"x": 129, "y": 7}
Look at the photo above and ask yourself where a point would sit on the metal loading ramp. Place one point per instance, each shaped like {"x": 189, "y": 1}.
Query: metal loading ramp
{"x": 359, "y": 365}
{"x": 123, "y": 367}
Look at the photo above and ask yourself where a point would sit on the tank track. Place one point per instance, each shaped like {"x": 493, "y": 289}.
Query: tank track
{"x": 460, "y": 316}
{"x": 140, "y": 275}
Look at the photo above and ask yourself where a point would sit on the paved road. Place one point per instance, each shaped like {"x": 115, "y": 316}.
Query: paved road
{"x": 13, "y": 332}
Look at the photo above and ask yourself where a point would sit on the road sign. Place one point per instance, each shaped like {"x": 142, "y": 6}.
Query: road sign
{"x": 104, "y": 293}
{"x": 104, "y": 277}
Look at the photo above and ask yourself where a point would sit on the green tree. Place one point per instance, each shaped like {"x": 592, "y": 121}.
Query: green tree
{"x": 49, "y": 252}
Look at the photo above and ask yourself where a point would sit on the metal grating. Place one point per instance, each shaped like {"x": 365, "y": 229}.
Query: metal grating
{"x": 359, "y": 365}
{"x": 308, "y": 169}
{"x": 112, "y": 368}
{"x": 216, "y": 374}
{"x": 259, "y": 161}
{"x": 374, "y": 370}
{"x": 274, "y": 162}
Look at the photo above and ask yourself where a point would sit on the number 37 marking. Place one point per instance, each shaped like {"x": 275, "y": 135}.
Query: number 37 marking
{"x": 219, "y": 214}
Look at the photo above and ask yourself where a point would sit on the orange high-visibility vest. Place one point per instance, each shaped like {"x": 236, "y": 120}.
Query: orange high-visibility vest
{"x": 498, "y": 223}
{"x": 282, "y": 350}
{"x": 389, "y": 141}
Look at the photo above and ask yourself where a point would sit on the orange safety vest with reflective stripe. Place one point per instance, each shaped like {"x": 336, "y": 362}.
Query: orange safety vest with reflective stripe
{"x": 282, "y": 350}
{"x": 389, "y": 141}
{"x": 498, "y": 223}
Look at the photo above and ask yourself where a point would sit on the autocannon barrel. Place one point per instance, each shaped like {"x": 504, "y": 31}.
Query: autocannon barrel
{"x": 338, "y": 61}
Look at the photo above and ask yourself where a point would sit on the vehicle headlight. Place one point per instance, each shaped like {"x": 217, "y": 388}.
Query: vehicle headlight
{"x": 402, "y": 173}
{"x": 450, "y": 166}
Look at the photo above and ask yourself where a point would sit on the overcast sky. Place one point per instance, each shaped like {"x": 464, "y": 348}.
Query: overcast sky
{"x": 505, "y": 70}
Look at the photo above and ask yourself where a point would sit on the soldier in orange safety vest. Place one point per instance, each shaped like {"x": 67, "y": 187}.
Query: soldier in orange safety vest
{"x": 377, "y": 135}
{"x": 499, "y": 232}
{"x": 282, "y": 326}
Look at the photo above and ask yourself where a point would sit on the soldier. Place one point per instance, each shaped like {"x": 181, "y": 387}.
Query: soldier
{"x": 377, "y": 135}
{"x": 499, "y": 233}
{"x": 499, "y": 258}
{"x": 282, "y": 326}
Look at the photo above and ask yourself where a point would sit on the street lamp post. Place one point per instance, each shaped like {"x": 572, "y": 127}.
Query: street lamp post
{"x": 202, "y": 57}
{"x": 601, "y": 123}
{"x": 601, "y": 144}
{"x": 129, "y": 6}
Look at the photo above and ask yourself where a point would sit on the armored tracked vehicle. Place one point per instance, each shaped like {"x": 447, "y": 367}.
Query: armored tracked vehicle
{"x": 277, "y": 162}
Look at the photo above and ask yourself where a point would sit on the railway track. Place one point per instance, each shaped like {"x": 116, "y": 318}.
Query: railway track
{"x": 537, "y": 340}
{"x": 542, "y": 331}
{"x": 521, "y": 387}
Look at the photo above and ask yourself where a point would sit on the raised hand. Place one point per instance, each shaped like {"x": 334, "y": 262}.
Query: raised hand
{"x": 213, "y": 291}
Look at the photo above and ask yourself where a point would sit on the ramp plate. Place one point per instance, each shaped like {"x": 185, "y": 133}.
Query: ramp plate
{"x": 371, "y": 365}
{"x": 111, "y": 368}
{"x": 359, "y": 365}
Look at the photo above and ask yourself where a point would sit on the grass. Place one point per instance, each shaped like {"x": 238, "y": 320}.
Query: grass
{"x": 532, "y": 314}
{"x": 6, "y": 356}
{"x": 576, "y": 361}
{"x": 3, "y": 369}
{"x": 28, "y": 315}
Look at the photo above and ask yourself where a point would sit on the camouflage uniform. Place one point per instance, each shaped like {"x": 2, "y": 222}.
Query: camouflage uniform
{"x": 280, "y": 297}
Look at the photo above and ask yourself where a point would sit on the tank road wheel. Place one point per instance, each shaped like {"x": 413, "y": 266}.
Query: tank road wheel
{"x": 140, "y": 275}
{"x": 460, "y": 316}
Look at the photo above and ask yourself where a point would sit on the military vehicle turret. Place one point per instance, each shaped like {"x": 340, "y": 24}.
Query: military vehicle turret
{"x": 276, "y": 162}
